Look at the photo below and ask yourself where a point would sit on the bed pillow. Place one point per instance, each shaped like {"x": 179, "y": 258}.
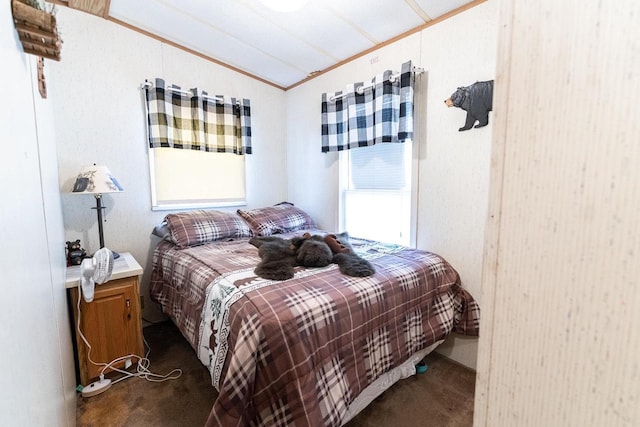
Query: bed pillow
{"x": 162, "y": 231}
{"x": 281, "y": 218}
{"x": 202, "y": 226}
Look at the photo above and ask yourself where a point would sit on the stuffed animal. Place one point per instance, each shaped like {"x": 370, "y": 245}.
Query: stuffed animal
{"x": 336, "y": 245}
{"x": 476, "y": 100}
{"x": 312, "y": 251}
{"x": 75, "y": 253}
{"x": 348, "y": 261}
{"x": 278, "y": 257}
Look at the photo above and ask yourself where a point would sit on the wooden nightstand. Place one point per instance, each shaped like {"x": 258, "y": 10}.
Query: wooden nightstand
{"x": 112, "y": 322}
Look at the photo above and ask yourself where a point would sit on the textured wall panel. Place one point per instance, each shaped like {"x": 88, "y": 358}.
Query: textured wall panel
{"x": 38, "y": 378}
{"x": 562, "y": 248}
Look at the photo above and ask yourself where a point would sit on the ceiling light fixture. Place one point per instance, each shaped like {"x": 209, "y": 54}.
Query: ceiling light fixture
{"x": 284, "y": 5}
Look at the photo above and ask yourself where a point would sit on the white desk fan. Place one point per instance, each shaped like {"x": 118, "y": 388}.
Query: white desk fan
{"x": 96, "y": 269}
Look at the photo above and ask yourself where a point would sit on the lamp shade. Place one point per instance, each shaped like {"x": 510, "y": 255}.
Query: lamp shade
{"x": 96, "y": 180}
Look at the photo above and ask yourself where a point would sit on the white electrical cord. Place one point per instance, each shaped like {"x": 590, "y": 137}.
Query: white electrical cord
{"x": 142, "y": 370}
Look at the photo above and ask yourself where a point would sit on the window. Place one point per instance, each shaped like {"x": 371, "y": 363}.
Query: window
{"x": 197, "y": 146}
{"x": 376, "y": 193}
{"x": 371, "y": 126}
{"x": 183, "y": 179}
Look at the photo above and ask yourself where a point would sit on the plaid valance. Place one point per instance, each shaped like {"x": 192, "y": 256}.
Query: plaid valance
{"x": 364, "y": 115}
{"x": 193, "y": 120}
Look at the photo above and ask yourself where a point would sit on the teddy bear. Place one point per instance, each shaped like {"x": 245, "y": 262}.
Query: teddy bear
{"x": 75, "y": 253}
{"x": 476, "y": 100}
{"x": 312, "y": 251}
{"x": 348, "y": 262}
{"x": 318, "y": 251}
{"x": 278, "y": 257}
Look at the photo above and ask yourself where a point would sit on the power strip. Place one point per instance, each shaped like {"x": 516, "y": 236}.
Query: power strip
{"x": 96, "y": 387}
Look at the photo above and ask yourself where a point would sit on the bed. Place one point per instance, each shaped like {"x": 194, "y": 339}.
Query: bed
{"x": 314, "y": 349}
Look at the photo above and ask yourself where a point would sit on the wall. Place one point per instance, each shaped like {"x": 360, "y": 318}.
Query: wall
{"x": 38, "y": 379}
{"x": 562, "y": 254}
{"x": 453, "y": 166}
{"x": 100, "y": 119}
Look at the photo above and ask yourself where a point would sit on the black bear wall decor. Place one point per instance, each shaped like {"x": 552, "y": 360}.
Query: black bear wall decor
{"x": 476, "y": 100}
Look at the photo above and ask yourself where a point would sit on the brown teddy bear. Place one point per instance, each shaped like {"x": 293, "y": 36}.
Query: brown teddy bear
{"x": 278, "y": 257}
{"x": 312, "y": 251}
{"x": 348, "y": 261}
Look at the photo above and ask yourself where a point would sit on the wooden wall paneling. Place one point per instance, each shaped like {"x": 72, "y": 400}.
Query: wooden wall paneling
{"x": 494, "y": 214}
{"x": 94, "y": 7}
{"x": 562, "y": 256}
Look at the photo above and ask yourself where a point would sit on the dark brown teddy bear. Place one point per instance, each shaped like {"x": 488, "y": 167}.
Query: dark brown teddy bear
{"x": 348, "y": 262}
{"x": 476, "y": 100}
{"x": 280, "y": 256}
{"x": 312, "y": 251}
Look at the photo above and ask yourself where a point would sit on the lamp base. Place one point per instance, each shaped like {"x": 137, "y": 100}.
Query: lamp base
{"x": 99, "y": 209}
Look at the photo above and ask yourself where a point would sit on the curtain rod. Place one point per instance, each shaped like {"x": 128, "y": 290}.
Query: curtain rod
{"x": 184, "y": 92}
{"x": 392, "y": 78}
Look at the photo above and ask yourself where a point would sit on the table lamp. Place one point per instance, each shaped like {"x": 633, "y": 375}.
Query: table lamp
{"x": 97, "y": 180}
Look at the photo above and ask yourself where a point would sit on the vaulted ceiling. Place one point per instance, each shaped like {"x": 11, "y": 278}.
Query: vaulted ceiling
{"x": 280, "y": 48}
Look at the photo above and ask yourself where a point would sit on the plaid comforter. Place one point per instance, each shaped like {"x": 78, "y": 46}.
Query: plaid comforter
{"x": 298, "y": 352}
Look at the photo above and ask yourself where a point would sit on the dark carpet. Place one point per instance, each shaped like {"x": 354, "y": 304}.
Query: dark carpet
{"x": 441, "y": 397}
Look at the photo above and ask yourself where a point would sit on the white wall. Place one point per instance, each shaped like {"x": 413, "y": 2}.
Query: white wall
{"x": 562, "y": 282}
{"x": 453, "y": 166}
{"x": 38, "y": 378}
{"x": 100, "y": 119}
